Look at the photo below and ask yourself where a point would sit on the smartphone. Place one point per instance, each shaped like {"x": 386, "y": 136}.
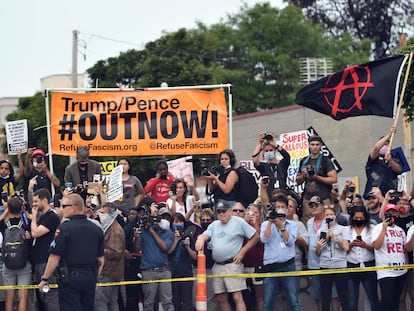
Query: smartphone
{"x": 96, "y": 178}
{"x": 56, "y": 199}
{"x": 174, "y": 188}
{"x": 359, "y": 238}
{"x": 323, "y": 236}
{"x": 4, "y": 196}
{"x": 335, "y": 187}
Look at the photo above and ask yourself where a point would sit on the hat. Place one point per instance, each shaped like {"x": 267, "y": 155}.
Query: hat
{"x": 315, "y": 138}
{"x": 38, "y": 152}
{"x": 390, "y": 206}
{"x": 222, "y": 206}
{"x": 371, "y": 195}
{"x": 163, "y": 211}
{"x": 315, "y": 199}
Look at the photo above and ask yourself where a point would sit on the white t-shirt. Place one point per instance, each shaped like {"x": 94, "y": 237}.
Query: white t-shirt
{"x": 391, "y": 252}
{"x": 189, "y": 201}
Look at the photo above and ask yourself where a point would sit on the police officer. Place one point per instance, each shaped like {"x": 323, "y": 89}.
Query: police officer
{"x": 80, "y": 245}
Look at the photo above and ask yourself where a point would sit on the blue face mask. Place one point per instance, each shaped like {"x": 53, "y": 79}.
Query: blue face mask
{"x": 269, "y": 155}
{"x": 176, "y": 226}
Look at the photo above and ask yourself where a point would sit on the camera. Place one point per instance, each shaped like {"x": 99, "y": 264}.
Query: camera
{"x": 395, "y": 196}
{"x": 4, "y": 196}
{"x": 146, "y": 220}
{"x": 188, "y": 233}
{"x": 268, "y": 137}
{"x": 213, "y": 169}
{"x": 310, "y": 170}
{"x": 39, "y": 159}
{"x": 273, "y": 214}
{"x": 266, "y": 180}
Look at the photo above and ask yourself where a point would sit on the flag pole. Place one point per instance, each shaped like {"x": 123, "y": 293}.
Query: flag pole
{"x": 401, "y": 100}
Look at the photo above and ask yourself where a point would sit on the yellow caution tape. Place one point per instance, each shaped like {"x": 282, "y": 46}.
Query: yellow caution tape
{"x": 243, "y": 275}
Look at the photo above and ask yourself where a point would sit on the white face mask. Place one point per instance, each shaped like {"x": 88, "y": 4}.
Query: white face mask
{"x": 35, "y": 164}
{"x": 383, "y": 150}
{"x": 164, "y": 224}
{"x": 269, "y": 155}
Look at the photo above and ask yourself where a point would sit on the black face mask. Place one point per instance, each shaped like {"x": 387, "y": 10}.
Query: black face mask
{"x": 358, "y": 223}
{"x": 204, "y": 224}
{"x": 83, "y": 165}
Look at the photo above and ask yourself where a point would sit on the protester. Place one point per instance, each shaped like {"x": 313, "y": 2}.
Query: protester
{"x": 180, "y": 201}
{"x": 114, "y": 255}
{"x": 158, "y": 187}
{"x": 36, "y": 166}
{"x": 360, "y": 255}
{"x": 382, "y": 169}
{"x": 133, "y": 192}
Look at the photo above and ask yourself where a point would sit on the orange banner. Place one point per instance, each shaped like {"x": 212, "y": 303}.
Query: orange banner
{"x": 167, "y": 122}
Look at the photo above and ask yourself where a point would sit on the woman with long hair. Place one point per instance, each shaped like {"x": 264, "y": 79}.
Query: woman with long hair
{"x": 360, "y": 255}
{"x": 224, "y": 188}
{"x": 181, "y": 201}
{"x": 132, "y": 188}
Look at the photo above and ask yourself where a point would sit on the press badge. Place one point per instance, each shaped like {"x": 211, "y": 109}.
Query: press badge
{"x": 282, "y": 244}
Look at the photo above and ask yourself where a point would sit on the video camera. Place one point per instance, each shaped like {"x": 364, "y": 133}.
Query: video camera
{"x": 310, "y": 170}
{"x": 146, "y": 220}
{"x": 273, "y": 214}
{"x": 212, "y": 169}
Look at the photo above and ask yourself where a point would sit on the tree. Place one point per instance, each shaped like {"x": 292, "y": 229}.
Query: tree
{"x": 378, "y": 20}
{"x": 256, "y": 50}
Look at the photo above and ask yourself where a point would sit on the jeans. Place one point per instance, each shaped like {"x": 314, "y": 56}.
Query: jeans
{"x": 289, "y": 283}
{"x": 369, "y": 281}
{"x": 342, "y": 285}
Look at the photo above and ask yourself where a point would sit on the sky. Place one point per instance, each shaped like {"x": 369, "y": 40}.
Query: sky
{"x": 36, "y": 36}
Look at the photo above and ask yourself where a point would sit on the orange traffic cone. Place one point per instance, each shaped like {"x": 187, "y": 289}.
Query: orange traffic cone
{"x": 201, "y": 285}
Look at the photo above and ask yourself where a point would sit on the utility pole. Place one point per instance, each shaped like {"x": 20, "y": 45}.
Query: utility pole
{"x": 75, "y": 59}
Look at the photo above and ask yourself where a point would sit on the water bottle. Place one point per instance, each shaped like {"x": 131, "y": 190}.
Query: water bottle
{"x": 24, "y": 219}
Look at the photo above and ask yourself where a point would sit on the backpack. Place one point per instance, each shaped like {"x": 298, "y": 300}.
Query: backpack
{"x": 15, "y": 250}
{"x": 246, "y": 187}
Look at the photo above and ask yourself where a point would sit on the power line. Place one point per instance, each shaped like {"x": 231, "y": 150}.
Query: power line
{"x": 110, "y": 39}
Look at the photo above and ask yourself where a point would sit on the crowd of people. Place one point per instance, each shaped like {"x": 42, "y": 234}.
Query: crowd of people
{"x": 155, "y": 232}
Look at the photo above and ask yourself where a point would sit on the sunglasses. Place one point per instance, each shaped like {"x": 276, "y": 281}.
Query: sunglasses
{"x": 221, "y": 211}
{"x": 66, "y": 205}
{"x": 238, "y": 210}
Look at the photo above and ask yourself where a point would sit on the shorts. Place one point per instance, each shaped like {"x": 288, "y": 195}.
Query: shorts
{"x": 229, "y": 285}
{"x": 315, "y": 289}
{"x": 17, "y": 276}
{"x": 254, "y": 280}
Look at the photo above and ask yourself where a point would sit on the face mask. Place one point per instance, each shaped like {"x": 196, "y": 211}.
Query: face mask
{"x": 204, "y": 224}
{"x": 83, "y": 165}
{"x": 269, "y": 155}
{"x": 35, "y": 164}
{"x": 383, "y": 150}
{"x": 227, "y": 167}
{"x": 164, "y": 224}
{"x": 5, "y": 177}
{"x": 359, "y": 223}
{"x": 176, "y": 226}
{"x": 281, "y": 211}
{"x": 103, "y": 217}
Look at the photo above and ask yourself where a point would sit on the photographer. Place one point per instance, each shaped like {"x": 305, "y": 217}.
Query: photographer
{"x": 278, "y": 236}
{"x": 267, "y": 163}
{"x": 154, "y": 240}
{"x": 225, "y": 183}
{"x": 182, "y": 253}
{"x": 318, "y": 174}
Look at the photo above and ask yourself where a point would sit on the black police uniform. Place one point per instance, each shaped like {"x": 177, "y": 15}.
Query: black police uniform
{"x": 79, "y": 243}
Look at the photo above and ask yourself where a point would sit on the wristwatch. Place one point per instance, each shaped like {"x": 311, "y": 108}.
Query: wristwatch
{"x": 283, "y": 230}
{"x": 45, "y": 279}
